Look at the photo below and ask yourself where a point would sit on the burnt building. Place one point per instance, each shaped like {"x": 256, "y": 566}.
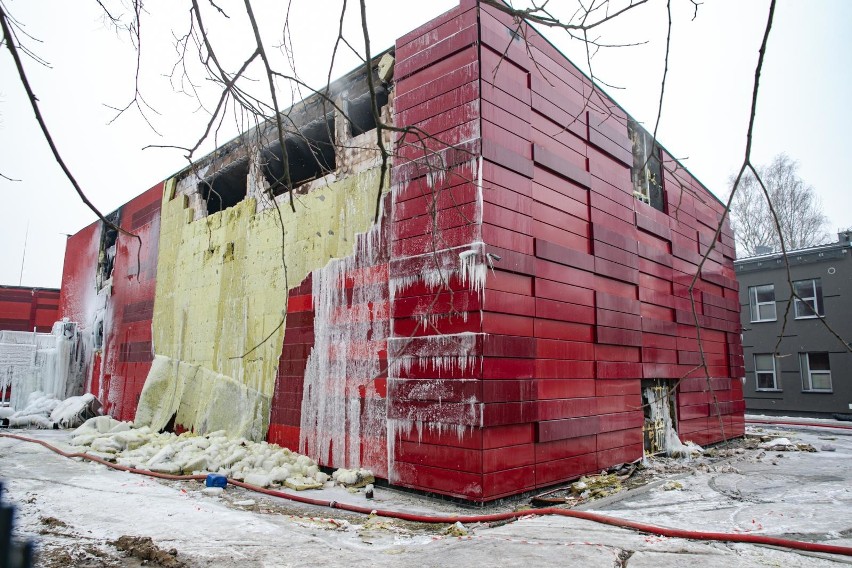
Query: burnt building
{"x": 796, "y": 359}
{"x": 510, "y": 309}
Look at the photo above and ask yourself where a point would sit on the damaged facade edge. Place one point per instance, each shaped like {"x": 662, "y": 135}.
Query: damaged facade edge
{"x": 499, "y": 328}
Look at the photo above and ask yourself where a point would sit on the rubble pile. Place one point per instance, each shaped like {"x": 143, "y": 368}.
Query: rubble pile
{"x": 257, "y": 463}
{"x": 785, "y": 445}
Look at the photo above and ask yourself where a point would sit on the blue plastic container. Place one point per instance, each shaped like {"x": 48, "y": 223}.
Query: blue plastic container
{"x": 216, "y": 480}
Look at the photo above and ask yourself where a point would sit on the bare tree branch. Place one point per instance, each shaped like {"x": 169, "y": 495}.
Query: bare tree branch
{"x": 10, "y": 44}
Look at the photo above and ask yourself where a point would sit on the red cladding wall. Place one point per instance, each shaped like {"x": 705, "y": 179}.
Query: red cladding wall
{"x": 118, "y": 370}
{"x": 591, "y": 292}
{"x": 28, "y": 309}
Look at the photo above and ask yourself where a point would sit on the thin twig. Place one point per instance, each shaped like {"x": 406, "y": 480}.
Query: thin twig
{"x": 10, "y": 44}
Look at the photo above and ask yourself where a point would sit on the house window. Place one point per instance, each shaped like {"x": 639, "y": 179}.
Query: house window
{"x": 764, "y": 371}
{"x": 762, "y": 302}
{"x": 810, "y": 292}
{"x": 816, "y": 372}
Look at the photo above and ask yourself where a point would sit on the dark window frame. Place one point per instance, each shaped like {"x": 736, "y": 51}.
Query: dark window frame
{"x": 758, "y": 372}
{"x": 813, "y": 310}
{"x": 806, "y": 365}
{"x": 755, "y": 304}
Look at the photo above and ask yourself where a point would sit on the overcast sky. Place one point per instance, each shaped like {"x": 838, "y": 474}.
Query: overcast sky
{"x": 802, "y": 108}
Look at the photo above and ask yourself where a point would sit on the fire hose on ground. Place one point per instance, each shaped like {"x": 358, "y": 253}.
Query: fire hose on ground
{"x": 485, "y": 518}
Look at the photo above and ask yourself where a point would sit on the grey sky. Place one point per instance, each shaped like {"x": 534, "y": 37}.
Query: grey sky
{"x": 801, "y": 110}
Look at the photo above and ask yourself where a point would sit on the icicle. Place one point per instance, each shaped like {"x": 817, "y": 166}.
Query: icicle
{"x": 344, "y": 360}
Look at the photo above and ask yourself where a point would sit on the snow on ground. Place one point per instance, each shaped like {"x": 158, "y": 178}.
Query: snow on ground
{"x": 75, "y": 509}
{"x": 802, "y": 495}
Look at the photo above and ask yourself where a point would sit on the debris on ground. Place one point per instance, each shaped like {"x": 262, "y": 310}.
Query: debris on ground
{"x": 596, "y": 486}
{"x": 76, "y": 555}
{"x": 355, "y": 478}
{"x": 686, "y": 449}
{"x": 53, "y": 522}
{"x": 692, "y": 458}
{"x": 257, "y": 463}
{"x": 144, "y": 549}
{"x": 785, "y": 445}
{"x": 456, "y": 529}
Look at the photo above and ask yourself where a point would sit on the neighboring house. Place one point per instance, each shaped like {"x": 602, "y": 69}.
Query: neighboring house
{"x": 518, "y": 314}
{"x": 809, "y": 372}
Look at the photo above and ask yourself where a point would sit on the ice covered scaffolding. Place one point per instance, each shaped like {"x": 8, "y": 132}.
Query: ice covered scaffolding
{"x": 40, "y": 362}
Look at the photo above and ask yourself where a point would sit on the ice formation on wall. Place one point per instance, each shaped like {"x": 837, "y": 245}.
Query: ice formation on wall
{"x": 46, "y": 362}
{"x": 351, "y": 324}
{"x": 446, "y": 354}
{"x": 660, "y": 400}
{"x": 221, "y": 292}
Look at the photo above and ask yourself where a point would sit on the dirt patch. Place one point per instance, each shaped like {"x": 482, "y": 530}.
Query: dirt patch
{"x": 52, "y": 522}
{"x": 78, "y": 556}
{"x": 143, "y": 548}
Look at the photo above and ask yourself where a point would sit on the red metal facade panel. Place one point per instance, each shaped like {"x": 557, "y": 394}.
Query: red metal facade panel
{"x": 28, "y": 309}
{"x": 118, "y": 369}
{"x": 588, "y": 297}
{"x": 609, "y": 274}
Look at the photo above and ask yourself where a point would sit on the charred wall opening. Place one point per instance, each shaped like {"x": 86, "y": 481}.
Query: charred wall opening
{"x": 360, "y": 111}
{"x": 310, "y": 155}
{"x": 226, "y": 187}
{"x": 109, "y": 244}
{"x": 647, "y": 171}
{"x": 660, "y": 407}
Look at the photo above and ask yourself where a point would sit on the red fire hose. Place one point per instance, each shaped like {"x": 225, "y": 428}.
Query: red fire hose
{"x": 589, "y": 516}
